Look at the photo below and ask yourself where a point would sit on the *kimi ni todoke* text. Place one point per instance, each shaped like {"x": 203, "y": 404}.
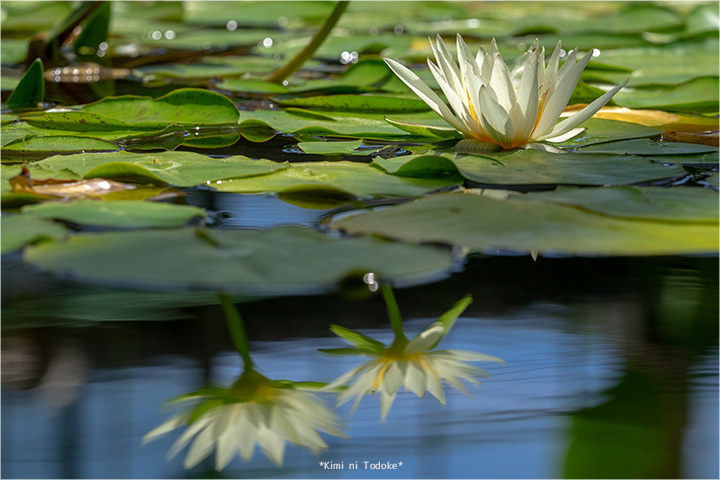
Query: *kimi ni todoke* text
{"x": 361, "y": 465}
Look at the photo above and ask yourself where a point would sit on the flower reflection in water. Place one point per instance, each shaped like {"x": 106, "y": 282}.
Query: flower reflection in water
{"x": 409, "y": 363}
{"x": 253, "y": 410}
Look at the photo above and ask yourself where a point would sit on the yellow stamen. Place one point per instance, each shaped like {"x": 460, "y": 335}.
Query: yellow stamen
{"x": 472, "y": 107}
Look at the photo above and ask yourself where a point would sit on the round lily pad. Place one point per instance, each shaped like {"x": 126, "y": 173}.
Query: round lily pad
{"x": 494, "y": 226}
{"x": 283, "y": 260}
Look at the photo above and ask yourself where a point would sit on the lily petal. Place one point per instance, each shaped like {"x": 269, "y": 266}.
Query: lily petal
{"x": 526, "y": 107}
{"x": 497, "y": 120}
{"x": 557, "y": 102}
{"x": 423, "y": 91}
{"x": 587, "y": 112}
{"x": 566, "y": 136}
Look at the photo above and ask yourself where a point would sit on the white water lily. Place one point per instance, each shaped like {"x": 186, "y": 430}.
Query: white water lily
{"x": 495, "y": 107}
{"x": 409, "y": 363}
{"x": 253, "y": 410}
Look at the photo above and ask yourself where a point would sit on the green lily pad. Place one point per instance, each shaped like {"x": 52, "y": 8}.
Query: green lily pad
{"x": 600, "y": 131}
{"x": 181, "y": 169}
{"x": 703, "y": 18}
{"x": 256, "y": 14}
{"x": 493, "y": 226}
{"x": 33, "y": 16}
{"x": 658, "y": 65}
{"x": 703, "y": 159}
{"x": 242, "y": 85}
{"x": 698, "y": 95}
{"x": 39, "y": 147}
{"x": 438, "y": 130}
{"x": 689, "y": 205}
{"x": 200, "y": 118}
{"x": 186, "y": 106}
{"x": 534, "y": 167}
{"x": 284, "y": 260}
{"x": 369, "y": 73}
{"x": 6, "y": 173}
{"x": 335, "y": 178}
{"x": 12, "y": 51}
{"x": 20, "y": 230}
{"x": 358, "y": 103}
{"x": 369, "y": 125}
{"x": 647, "y": 147}
{"x": 120, "y": 214}
{"x": 337, "y": 148}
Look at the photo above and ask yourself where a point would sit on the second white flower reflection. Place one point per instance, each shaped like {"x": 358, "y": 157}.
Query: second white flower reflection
{"x": 409, "y": 363}
{"x": 495, "y": 107}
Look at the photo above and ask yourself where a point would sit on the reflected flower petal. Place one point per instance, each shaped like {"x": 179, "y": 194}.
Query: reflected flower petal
{"x": 414, "y": 365}
{"x": 254, "y": 410}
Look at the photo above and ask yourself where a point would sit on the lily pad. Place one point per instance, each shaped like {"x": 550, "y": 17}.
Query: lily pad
{"x": 201, "y": 118}
{"x": 534, "y": 167}
{"x": 688, "y": 205}
{"x": 600, "y": 130}
{"x": 284, "y": 260}
{"x": 338, "y": 148}
{"x": 186, "y": 106}
{"x": 368, "y": 125}
{"x": 495, "y": 226}
{"x": 647, "y": 147}
{"x": 358, "y": 103}
{"x": 181, "y": 169}
{"x": 120, "y": 214}
{"x": 335, "y": 178}
{"x": 698, "y": 95}
{"x": 20, "y": 230}
{"x": 659, "y": 65}
{"x": 39, "y": 147}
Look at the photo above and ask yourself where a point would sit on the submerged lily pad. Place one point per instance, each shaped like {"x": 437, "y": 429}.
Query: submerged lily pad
{"x": 121, "y": 214}
{"x": 339, "y": 178}
{"x": 20, "y": 230}
{"x": 284, "y": 260}
{"x": 491, "y": 225}
{"x": 535, "y": 167}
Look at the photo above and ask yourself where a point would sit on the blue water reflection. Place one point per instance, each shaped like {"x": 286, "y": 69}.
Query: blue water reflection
{"x": 515, "y": 426}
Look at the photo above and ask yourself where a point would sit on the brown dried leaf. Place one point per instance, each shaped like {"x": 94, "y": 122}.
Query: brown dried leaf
{"x": 94, "y": 187}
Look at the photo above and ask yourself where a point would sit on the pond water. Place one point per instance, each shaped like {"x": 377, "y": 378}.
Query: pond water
{"x": 611, "y": 371}
{"x": 157, "y": 170}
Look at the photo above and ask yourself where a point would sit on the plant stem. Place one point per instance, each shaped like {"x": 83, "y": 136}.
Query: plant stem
{"x": 307, "y": 52}
{"x": 393, "y": 311}
{"x": 237, "y": 329}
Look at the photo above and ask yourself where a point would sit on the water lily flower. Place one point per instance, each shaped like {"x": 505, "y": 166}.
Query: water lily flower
{"x": 496, "y": 107}
{"x": 409, "y": 363}
{"x": 254, "y": 410}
